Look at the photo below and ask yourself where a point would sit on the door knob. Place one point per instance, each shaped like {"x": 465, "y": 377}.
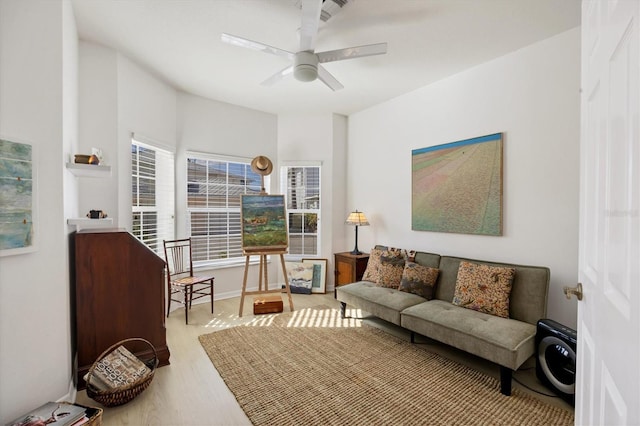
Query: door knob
{"x": 577, "y": 291}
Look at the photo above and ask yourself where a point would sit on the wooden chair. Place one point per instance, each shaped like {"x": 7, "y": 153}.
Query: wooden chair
{"x": 180, "y": 278}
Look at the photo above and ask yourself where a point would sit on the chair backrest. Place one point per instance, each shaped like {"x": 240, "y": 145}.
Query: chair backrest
{"x": 177, "y": 254}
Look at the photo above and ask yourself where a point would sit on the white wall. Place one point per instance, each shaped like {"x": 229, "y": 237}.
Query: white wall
{"x": 532, "y": 96}
{"x": 98, "y": 126}
{"x": 70, "y": 87}
{"x": 118, "y": 98}
{"x": 318, "y": 138}
{"x": 146, "y": 106}
{"x": 37, "y": 106}
{"x": 214, "y": 127}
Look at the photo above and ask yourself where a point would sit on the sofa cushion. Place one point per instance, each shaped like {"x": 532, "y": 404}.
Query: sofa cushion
{"x": 484, "y": 288}
{"x": 431, "y": 260}
{"x": 384, "y": 303}
{"x": 390, "y": 268}
{"x": 504, "y": 341}
{"x": 371, "y": 273}
{"x": 418, "y": 279}
{"x": 529, "y": 291}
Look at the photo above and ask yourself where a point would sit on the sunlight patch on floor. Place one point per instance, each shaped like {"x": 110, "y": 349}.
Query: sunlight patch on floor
{"x": 306, "y": 317}
{"x": 325, "y": 318}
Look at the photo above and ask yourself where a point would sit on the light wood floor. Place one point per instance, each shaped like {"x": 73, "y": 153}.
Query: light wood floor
{"x": 191, "y": 392}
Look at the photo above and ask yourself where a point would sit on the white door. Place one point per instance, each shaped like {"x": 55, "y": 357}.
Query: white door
{"x": 608, "y": 365}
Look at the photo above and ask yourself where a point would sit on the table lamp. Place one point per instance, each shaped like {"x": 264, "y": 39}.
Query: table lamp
{"x": 358, "y": 219}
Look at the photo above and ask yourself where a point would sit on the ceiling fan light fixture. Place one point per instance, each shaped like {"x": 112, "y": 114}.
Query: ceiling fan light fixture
{"x": 306, "y": 62}
{"x": 305, "y": 66}
{"x": 305, "y": 73}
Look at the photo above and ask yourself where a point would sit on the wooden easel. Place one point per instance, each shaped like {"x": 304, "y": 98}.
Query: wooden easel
{"x": 263, "y": 274}
{"x": 262, "y": 166}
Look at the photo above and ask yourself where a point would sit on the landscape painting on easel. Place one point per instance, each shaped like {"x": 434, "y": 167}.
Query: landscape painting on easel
{"x": 264, "y": 223}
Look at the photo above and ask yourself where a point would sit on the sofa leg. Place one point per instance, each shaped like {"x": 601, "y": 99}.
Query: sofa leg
{"x": 413, "y": 337}
{"x": 506, "y": 375}
{"x": 343, "y": 309}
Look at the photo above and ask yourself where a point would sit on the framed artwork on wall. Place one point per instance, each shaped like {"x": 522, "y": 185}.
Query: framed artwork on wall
{"x": 264, "y": 223}
{"x": 319, "y": 284}
{"x": 17, "y": 198}
{"x": 457, "y": 187}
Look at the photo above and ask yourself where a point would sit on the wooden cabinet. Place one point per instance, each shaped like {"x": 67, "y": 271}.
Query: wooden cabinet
{"x": 349, "y": 268}
{"x": 117, "y": 293}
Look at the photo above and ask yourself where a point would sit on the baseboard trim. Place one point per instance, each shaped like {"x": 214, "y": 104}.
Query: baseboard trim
{"x": 71, "y": 395}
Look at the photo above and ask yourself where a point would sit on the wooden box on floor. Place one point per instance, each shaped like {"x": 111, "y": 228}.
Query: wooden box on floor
{"x": 267, "y": 305}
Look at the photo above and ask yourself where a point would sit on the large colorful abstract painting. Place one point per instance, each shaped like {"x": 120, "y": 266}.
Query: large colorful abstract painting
{"x": 16, "y": 198}
{"x": 457, "y": 187}
{"x": 264, "y": 223}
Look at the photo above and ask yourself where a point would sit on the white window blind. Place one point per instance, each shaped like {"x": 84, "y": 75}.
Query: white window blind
{"x": 214, "y": 187}
{"x": 153, "y": 194}
{"x": 301, "y": 186}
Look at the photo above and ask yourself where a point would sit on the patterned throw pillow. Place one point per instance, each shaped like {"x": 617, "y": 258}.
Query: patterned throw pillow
{"x": 418, "y": 279}
{"x": 411, "y": 255}
{"x": 371, "y": 273}
{"x": 484, "y": 288}
{"x": 390, "y": 268}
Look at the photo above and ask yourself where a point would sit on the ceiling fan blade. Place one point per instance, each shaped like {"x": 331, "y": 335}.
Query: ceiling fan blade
{"x": 328, "y": 79}
{"x": 278, "y": 76}
{"x": 250, "y": 44}
{"x": 352, "y": 52}
{"x": 310, "y": 20}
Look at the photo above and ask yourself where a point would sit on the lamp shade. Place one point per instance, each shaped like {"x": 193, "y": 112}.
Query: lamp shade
{"x": 357, "y": 218}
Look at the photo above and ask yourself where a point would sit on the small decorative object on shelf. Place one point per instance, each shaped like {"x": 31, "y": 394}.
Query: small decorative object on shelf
{"x": 96, "y": 214}
{"x": 97, "y": 152}
{"x": 86, "y": 159}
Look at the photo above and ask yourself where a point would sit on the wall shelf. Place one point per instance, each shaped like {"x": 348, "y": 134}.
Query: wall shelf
{"x": 89, "y": 170}
{"x": 86, "y": 223}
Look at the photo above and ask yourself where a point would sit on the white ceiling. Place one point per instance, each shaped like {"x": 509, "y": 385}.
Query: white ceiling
{"x": 179, "y": 41}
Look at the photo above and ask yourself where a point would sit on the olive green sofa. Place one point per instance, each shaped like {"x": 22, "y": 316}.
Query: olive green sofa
{"x": 508, "y": 342}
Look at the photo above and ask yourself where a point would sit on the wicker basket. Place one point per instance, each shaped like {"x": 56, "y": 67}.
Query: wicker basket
{"x": 122, "y": 394}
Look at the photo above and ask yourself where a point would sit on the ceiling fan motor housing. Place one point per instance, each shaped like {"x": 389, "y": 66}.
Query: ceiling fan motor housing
{"x": 305, "y": 66}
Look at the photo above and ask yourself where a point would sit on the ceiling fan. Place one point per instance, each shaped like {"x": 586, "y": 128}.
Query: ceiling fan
{"x": 306, "y": 62}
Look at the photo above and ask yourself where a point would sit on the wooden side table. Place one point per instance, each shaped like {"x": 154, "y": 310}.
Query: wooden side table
{"x": 349, "y": 268}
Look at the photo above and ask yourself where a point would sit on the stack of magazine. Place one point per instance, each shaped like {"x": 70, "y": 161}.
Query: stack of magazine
{"x": 56, "y": 414}
{"x": 117, "y": 369}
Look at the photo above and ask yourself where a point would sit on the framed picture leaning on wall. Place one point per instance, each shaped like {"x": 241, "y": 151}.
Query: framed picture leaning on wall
{"x": 319, "y": 284}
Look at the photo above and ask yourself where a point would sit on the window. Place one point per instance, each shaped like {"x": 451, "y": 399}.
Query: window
{"x": 153, "y": 198}
{"x": 301, "y": 186}
{"x": 214, "y": 187}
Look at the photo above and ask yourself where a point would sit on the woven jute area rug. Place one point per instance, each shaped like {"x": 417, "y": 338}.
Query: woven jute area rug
{"x": 316, "y": 369}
